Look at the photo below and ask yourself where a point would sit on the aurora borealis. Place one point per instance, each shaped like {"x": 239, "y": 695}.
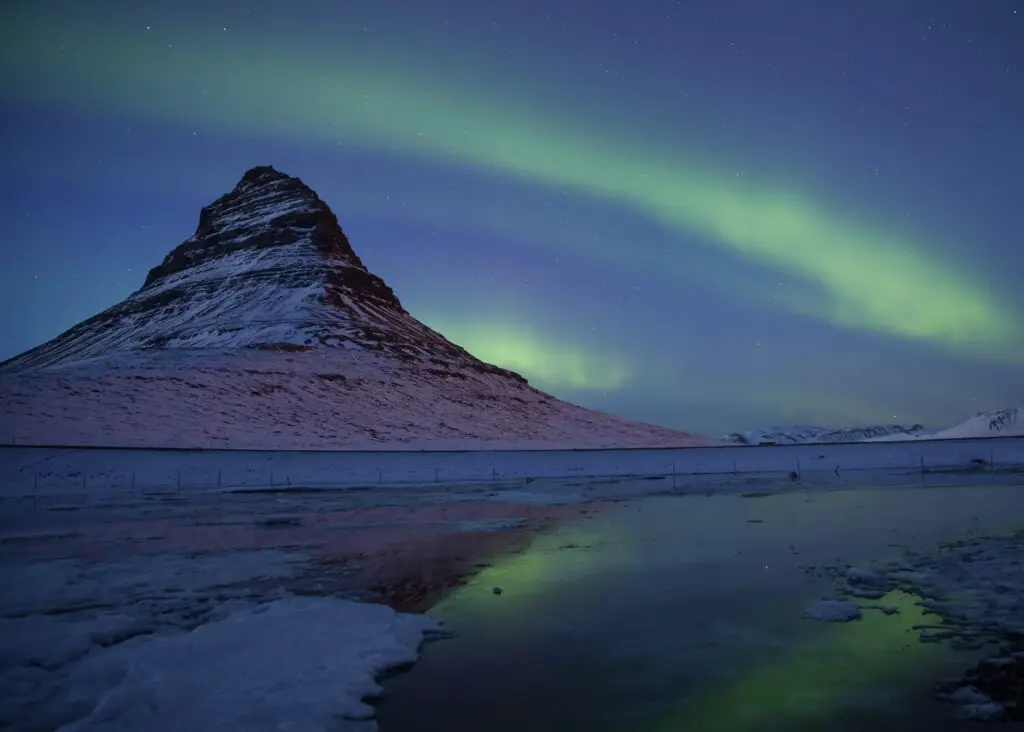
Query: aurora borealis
{"x": 708, "y": 215}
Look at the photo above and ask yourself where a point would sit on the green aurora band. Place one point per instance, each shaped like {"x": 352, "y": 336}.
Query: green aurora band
{"x": 546, "y": 362}
{"x": 801, "y": 689}
{"x": 852, "y": 275}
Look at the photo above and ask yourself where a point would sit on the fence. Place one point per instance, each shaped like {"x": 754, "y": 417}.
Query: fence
{"x": 34, "y": 470}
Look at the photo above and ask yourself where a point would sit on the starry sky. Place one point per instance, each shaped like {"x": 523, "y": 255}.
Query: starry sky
{"x": 713, "y": 215}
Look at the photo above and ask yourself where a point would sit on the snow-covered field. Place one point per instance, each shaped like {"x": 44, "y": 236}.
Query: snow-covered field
{"x": 174, "y": 643}
{"x": 35, "y": 470}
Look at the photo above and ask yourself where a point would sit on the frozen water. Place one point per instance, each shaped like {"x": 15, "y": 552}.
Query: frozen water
{"x": 175, "y": 642}
{"x": 294, "y": 664}
{"x": 975, "y": 587}
{"x": 67, "y": 585}
{"x": 672, "y": 613}
{"x": 683, "y": 610}
{"x": 972, "y": 704}
{"x": 833, "y": 611}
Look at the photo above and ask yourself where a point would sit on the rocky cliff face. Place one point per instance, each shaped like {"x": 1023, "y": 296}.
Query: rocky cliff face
{"x": 265, "y": 330}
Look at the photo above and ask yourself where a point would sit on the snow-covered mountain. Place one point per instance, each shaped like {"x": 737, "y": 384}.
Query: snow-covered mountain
{"x": 995, "y": 423}
{"x": 800, "y": 434}
{"x": 265, "y": 330}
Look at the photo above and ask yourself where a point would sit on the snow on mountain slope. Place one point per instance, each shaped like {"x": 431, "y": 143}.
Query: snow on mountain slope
{"x": 265, "y": 330}
{"x": 268, "y": 264}
{"x": 317, "y": 399}
{"x": 797, "y": 435}
{"x": 996, "y": 423}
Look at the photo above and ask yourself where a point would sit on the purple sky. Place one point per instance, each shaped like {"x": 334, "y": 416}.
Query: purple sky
{"x": 710, "y": 215}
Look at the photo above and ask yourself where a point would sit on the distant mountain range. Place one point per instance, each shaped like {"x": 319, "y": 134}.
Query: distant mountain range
{"x": 265, "y": 330}
{"x": 791, "y": 435}
{"x": 996, "y": 423}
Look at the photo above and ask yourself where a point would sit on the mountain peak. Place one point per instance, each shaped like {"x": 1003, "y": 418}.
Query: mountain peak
{"x": 267, "y": 208}
{"x": 268, "y": 266}
{"x": 262, "y": 172}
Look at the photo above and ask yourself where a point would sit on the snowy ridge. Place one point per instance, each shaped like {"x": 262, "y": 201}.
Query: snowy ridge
{"x": 995, "y": 423}
{"x": 798, "y": 435}
{"x": 264, "y": 330}
{"x": 135, "y": 643}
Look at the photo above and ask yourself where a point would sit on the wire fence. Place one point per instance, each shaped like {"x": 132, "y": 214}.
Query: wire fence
{"x": 45, "y": 480}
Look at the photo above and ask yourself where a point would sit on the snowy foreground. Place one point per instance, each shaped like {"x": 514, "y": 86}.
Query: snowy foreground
{"x": 208, "y": 611}
{"x": 114, "y": 609}
{"x": 299, "y": 663}
{"x": 975, "y": 587}
{"x": 120, "y": 646}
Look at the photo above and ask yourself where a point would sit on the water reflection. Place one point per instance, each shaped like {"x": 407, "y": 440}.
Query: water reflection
{"x": 839, "y": 665}
{"x": 683, "y": 613}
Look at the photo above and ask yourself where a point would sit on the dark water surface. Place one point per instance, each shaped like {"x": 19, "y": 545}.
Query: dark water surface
{"x": 682, "y": 613}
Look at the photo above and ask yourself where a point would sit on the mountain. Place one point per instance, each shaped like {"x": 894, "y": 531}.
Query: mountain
{"x": 796, "y": 435}
{"x": 995, "y": 423}
{"x": 264, "y": 330}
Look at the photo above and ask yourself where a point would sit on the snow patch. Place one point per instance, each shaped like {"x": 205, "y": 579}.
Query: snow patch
{"x": 832, "y": 611}
{"x": 297, "y": 663}
{"x": 975, "y": 588}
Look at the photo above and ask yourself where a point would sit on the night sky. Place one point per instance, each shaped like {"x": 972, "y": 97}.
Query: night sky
{"x": 710, "y": 215}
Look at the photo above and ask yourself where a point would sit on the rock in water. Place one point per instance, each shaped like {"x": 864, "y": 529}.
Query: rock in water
{"x": 832, "y": 611}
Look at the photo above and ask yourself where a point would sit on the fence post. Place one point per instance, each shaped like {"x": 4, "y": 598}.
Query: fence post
{"x": 133, "y": 482}
{"x": 85, "y": 481}
{"x": 35, "y": 480}
{"x": 798, "y": 471}
{"x": 380, "y": 476}
{"x": 218, "y": 477}
{"x": 437, "y": 475}
{"x": 271, "y": 478}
